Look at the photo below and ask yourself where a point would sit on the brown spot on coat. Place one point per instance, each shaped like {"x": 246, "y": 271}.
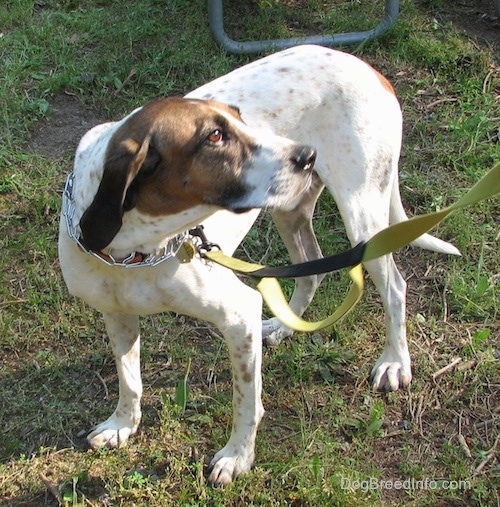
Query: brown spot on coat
{"x": 247, "y": 377}
{"x": 385, "y": 82}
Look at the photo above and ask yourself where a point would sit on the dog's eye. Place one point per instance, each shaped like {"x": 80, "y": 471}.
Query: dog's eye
{"x": 215, "y": 137}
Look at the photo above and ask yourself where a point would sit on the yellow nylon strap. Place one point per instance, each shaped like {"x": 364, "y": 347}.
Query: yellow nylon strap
{"x": 401, "y": 234}
{"x": 232, "y": 263}
{"x": 386, "y": 241}
{"x": 276, "y": 301}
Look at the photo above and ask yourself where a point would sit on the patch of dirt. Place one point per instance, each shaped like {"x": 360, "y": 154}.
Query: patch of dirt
{"x": 68, "y": 120}
{"x": 477, "y": 18}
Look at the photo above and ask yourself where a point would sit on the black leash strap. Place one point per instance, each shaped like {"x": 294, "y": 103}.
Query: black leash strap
{"x": 315, "y": 267}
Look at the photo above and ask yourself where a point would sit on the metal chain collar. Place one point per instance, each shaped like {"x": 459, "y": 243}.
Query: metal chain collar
{"x": 134, "y": 259}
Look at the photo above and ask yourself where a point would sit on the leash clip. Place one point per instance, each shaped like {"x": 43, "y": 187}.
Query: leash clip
{"x": 205, "y": 245}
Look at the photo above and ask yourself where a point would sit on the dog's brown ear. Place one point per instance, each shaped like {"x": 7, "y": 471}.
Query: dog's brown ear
{"x": 103, "y": 218}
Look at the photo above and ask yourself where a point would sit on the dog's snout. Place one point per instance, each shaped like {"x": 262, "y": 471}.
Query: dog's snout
{"x": 304, "y": 158}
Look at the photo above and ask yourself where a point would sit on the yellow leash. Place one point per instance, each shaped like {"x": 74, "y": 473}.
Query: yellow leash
{"x": 276, "y": 301}
{"x": 386, "y": 241}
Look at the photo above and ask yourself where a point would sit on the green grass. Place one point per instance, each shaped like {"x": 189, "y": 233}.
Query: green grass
{"x": 325, "y": 434}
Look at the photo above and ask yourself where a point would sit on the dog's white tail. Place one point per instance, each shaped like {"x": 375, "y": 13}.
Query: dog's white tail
{"x": 398, "y": 214}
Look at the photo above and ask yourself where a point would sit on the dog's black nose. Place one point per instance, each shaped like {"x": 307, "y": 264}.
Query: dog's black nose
{"x": 304, "y": 158}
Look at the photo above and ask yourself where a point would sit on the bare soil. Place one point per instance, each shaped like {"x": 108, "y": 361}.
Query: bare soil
{"x": 67, "y": 122}
{"x": 477, "y": 18}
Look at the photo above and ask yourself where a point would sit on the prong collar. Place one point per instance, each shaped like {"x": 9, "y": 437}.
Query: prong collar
{"x": 134, "y": 259}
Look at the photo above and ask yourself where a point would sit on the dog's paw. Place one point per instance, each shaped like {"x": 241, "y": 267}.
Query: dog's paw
{"x": 391, "y": 372}
{"x": 114, "y": 432}
{"x": 227, "y": 464}
{"x": 274, "y": 332}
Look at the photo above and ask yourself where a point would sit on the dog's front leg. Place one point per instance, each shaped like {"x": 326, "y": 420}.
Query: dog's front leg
{"x": 244, "y": 339}
{"x": 123, "y": 332}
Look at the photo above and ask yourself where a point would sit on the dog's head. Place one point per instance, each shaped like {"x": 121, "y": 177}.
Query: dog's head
{"x": 174, "y": 154}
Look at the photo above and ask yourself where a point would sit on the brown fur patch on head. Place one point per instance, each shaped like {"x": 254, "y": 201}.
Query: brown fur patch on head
{"x": 194, "y": 169}
{"x": 171, "y": 155}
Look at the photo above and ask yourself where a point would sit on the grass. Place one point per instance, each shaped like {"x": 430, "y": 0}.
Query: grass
{"x": 325, "y": 435}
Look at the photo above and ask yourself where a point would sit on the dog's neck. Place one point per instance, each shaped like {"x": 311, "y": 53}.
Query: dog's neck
{"x": 149, "y": 234}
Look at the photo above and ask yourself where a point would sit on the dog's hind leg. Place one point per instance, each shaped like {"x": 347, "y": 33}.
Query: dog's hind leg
{"x": 364, "y": 215}
{"x": 296, "y": 231}
{"x": 393, "y": 368}
{"x": 123, "y": 332}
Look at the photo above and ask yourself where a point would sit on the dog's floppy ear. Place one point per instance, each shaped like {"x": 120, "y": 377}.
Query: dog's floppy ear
{"x": 103, "y": 218}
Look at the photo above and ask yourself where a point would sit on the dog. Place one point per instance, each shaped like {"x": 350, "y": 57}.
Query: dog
{"x": 269, "y": 135}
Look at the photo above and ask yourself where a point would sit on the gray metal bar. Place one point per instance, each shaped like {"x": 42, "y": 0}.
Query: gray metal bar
{"x": 216, "y": 20}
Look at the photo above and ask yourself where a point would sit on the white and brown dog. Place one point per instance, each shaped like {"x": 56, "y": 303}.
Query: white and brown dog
{"x": 139, "y": 184}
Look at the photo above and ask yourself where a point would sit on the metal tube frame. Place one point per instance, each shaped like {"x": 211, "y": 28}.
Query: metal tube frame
{"x": 216, "y": 21}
